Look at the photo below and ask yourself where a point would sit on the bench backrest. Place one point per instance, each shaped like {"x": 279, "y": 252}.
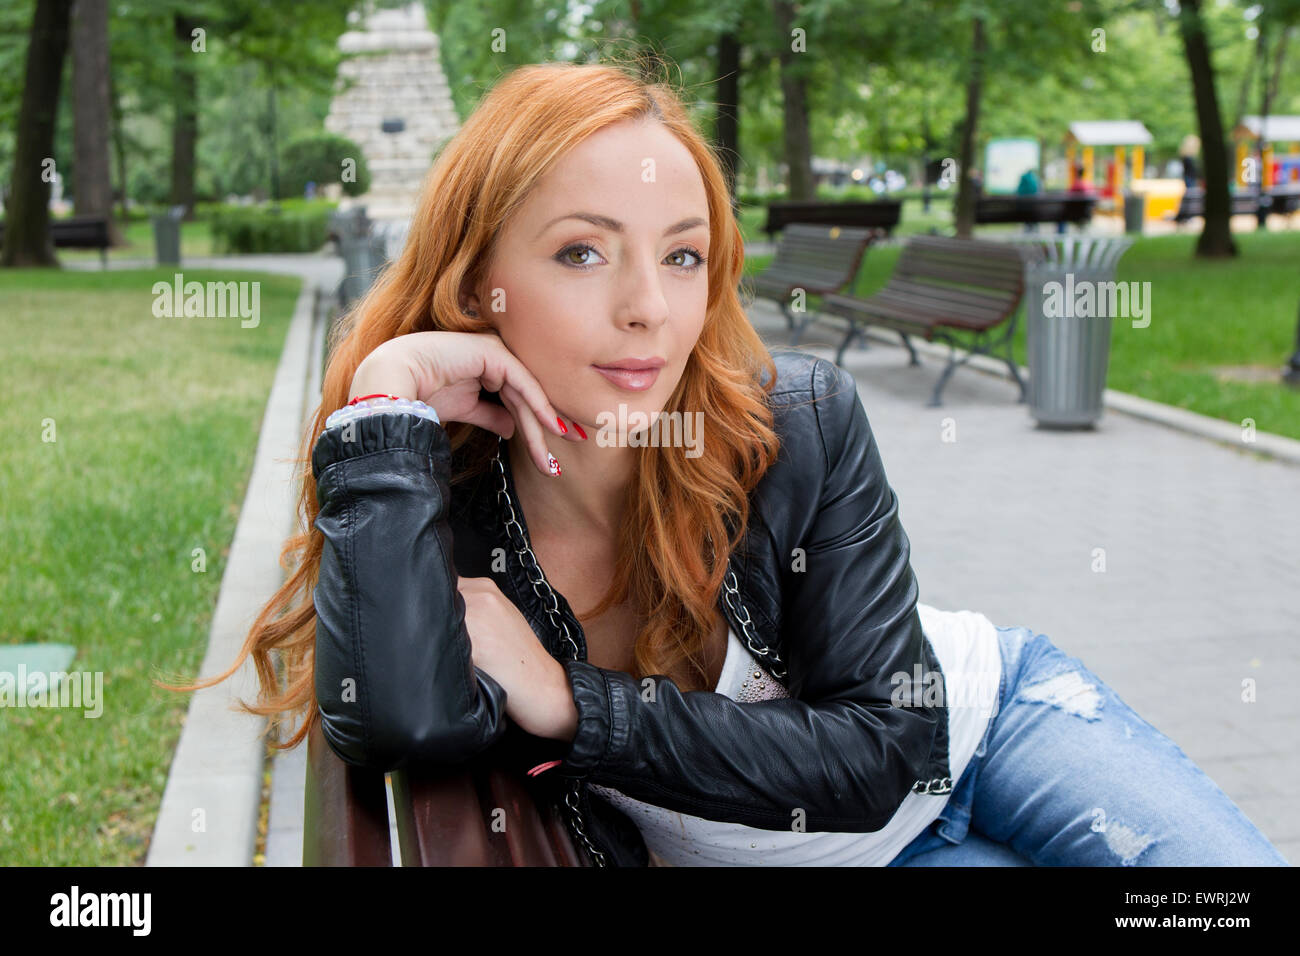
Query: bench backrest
{"x": 947, "y": 266}
{"x": 444, "y": 818}
{"x": 1240, "y": 203}
{"x": 80, "y": 231}
{"x": 833, "y": 248}
{"x": 76, "y": 232}
{"x": 882, "y": 214}
{"x": 1046, "y": 208}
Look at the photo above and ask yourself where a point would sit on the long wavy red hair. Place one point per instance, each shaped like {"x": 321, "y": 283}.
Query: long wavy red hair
{"x": 682, "y": 511}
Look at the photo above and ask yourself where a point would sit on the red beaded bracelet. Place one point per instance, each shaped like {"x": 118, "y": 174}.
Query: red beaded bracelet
{"x": 362, "y": 398}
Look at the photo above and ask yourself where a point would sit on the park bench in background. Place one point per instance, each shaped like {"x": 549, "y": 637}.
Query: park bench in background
{"x": 78, "y": 232}
{"x": 1286, "y": 199}
{"x": 1283, "y": 200}
{"x": 941, "y": 286}
{"x": 817, "y": 259}
{"x": 443, "y": 819}
{"x": 883, "y": 214}
{"x": 1047, "y": 207}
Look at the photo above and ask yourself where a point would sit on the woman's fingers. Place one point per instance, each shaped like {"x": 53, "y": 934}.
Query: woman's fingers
{"x": 534, "y": 437}
{"x": 492, "y": 417}
{"x": 529, "y": 392}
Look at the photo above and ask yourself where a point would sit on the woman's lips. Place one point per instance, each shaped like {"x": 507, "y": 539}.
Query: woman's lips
{"x": 631, "y": 380}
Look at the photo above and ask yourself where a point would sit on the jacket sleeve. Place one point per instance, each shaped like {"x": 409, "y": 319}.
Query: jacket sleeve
{"x": 835, "y": 756}
{"x": 394, "y": 677}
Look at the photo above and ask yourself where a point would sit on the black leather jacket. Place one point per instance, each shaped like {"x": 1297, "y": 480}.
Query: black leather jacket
{"x": 822, "y": 577}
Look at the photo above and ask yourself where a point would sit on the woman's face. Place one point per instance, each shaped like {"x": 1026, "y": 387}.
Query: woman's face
{"x": 602, "y": 265}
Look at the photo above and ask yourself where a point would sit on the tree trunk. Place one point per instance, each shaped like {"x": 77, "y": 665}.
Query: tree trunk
{"x": 1279, "y": 57}
{"x": 965, "y": 206}
{"x": 27, "y": 218}
{"x": 119, "y": 148}
{"x": 273, "y": 123}
{"x": 797, "y": 139}
{"x": 1248, "y": 77}
{"x": 1216, "y": 238}
{"x": 93, "y": 190}
{"x": 185, "y": 122}
{"x": 726, "y": 119}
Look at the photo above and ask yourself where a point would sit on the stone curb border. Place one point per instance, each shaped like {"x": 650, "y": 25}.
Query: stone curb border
{"x": 217, "y": 767}
{"x": 1266, "y": 443}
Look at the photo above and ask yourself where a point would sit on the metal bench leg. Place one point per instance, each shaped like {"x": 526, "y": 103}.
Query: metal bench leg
{"x": 953, "y": 362}
{"x": 103, "y": 257}
{"x": 797, "y": 326}
{"x": 854, "y": 332}
{"x": 911, "y": 351}
{"x": 1009, "y": 357}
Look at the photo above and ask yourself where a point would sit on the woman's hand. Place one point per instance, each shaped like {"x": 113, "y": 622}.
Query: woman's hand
{"x": 538, "y": 696}
{"x": 446, "y": 370}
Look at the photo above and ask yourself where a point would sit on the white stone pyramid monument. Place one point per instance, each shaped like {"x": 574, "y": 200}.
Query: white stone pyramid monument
{"x": 393, "y": 101}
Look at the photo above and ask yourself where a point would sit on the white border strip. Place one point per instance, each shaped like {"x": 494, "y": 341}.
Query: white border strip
{"x": 217, "y": 768}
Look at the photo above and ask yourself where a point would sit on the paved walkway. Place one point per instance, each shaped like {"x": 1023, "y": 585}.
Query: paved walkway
{"x": 319, "y": 267}
{"x": 1202, "y": 557}
{"x": 1199, "y": 542}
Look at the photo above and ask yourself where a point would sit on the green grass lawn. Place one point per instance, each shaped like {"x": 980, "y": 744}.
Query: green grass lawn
{"x": 155, "y": 424}
{"x": 1204, "y": 314}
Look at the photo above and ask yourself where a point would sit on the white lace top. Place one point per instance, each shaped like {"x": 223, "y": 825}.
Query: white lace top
{"x": 966, "y": 645}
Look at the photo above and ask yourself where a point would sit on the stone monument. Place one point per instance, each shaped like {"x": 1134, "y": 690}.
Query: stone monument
{"x": 393, "y": 101}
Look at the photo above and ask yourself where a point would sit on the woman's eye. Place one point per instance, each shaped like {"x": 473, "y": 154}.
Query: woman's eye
{"x": 688, "y": 251}
{"x": 580, "y": 249}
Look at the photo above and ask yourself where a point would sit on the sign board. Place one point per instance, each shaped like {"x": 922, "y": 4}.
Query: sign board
{"x": 1005, "y": 161}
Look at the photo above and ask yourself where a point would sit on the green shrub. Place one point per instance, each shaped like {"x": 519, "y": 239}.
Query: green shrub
{"x": 238, "y": 229}
{"x": 148, "y": 185}
{"x": 320, "y": 159}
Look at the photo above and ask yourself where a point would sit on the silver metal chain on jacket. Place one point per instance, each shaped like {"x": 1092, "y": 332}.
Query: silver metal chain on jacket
{"x": 551, "y": 605}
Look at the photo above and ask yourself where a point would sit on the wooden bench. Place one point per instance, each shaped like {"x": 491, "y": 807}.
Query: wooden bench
{"x": 1286, "y": 199}
{"x": 1192, "y": 205}
{"x": 443, "y": 818}
{"x": 1282, "y": 200}
{"x": 78, "y": 232}
{"x": 1048, "y": 207}
{"x": 816, "y": 259}
{"x": 883, "y": 214}
{"x": 940, "y": 286}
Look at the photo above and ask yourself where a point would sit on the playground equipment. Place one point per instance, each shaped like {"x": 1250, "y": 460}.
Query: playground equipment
{"x": 1281, "y": 135}
{"x": 1086, "y": 136}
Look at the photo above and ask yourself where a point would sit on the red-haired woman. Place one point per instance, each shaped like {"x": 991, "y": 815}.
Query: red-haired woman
{"x": 571, "y": 506}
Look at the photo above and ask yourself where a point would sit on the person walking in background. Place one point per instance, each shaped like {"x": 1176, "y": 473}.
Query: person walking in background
{"x": 1028, "y": 186}
{"x": 1078, "y": 187}
{"x": 1187, "y": 153}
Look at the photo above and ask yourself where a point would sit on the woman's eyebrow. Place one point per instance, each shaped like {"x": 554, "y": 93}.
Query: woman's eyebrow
{"x": 613, "y": 225}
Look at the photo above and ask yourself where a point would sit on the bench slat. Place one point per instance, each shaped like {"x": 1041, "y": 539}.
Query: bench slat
{"x": 345, "y": 810}
{"x": 446, "y": 819}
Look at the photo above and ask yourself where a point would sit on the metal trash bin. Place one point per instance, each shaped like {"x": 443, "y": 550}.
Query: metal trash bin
{"x": 167, "y": 236}
{"x": 352, "y": 222}
{"x": 363, "y": 258}
{"x": 1135, "y": 208}
{"x": 1068, "y": 352}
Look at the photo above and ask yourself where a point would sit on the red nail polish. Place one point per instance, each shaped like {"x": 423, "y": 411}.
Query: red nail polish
{"x": 563, "y": 430}
{"x": 579, "y": 428}
{"x": 552, "y": 464}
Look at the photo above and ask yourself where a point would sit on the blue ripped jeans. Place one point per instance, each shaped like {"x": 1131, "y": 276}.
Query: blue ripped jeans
{"x": 1067, "y": 774}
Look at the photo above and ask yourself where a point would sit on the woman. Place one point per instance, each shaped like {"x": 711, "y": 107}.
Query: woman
{"x": 561, "y": 481}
